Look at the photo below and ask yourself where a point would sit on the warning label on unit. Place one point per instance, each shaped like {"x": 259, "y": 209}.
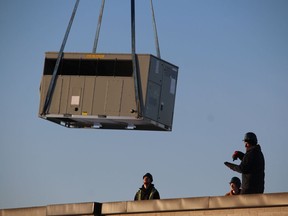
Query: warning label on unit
{"x": 75, "y": 100}
{"x": 94, "y": 56}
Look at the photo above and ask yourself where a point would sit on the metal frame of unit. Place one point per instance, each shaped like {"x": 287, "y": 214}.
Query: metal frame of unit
{"x": 96, "y": 90}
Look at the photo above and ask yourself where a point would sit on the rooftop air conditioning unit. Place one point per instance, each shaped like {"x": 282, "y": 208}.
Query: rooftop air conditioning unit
{"x": 97, "y": 91}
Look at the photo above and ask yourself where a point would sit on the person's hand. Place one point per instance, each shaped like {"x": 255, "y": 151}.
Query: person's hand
{"x": 237, "y": 154}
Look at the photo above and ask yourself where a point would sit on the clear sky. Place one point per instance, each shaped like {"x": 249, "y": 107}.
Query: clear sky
{"x": 233, "y": 78}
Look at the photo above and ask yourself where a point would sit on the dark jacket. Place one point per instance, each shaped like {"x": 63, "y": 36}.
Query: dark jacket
{"x": 252, "y": 168}
{"x": 147, "y": 194}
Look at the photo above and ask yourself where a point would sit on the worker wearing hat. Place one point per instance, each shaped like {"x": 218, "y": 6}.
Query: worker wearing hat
{"x": 147, "y": 191}
{"x": 235, "y": 186}
{"x": 252, "y": 165}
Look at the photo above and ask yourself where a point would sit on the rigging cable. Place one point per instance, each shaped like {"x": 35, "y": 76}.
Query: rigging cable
{"x": 60, "y": 55}
{"x": 137, "y": 83}
{"x": 155, "y": 31}
{"x": 98, "y": 27}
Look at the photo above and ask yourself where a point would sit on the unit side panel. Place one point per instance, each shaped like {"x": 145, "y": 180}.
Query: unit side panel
{"x": 168, "y": 94}
{"x": 128, "y": 102}
{"x": 115, "y": 89}
{"x": 89, "y": 84}
{"x": 75, "y": 95}
{"x": 56, "y": 97}
{"x": 154, "y": 88}
{"x": 143, "y": 64}
{"x": 152, "y": 100}
{"x": 64, "y": 93}
{"x": 156, "y": 70}
{"x": 100, "y": 94}
{"x": 43, "y": 91}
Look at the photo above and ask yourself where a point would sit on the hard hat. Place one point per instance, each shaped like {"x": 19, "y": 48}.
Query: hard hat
{"x": 149, "y": 176}
{"x": 251, "y": 138}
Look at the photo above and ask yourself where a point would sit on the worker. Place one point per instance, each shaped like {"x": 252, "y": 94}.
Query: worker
{"x": 235, "y": 186}
{"x": 252, "y": 165}
{"x": 147, "y": 191}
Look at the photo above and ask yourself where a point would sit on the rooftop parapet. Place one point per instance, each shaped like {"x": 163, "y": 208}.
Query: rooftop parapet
{"x": 251, "y": 205}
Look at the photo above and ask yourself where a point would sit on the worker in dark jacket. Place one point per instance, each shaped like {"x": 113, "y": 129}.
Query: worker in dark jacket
{"x": 252, "y": 165}
{"x": 147, "y": 191}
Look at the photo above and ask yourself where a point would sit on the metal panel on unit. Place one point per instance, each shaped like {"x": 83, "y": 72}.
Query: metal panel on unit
{"x": 98, "y": 91}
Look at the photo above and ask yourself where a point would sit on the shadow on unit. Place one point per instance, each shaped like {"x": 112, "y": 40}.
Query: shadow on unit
{"x": 98, "y": 91}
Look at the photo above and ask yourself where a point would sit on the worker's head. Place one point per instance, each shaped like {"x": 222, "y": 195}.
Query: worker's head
{"x": 147, "y": 179}
{"x": 235, "y": 183}
{"x": 251, "y": 138}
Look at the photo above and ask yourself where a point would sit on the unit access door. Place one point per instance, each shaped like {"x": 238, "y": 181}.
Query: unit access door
{"x": 168, "y": 93}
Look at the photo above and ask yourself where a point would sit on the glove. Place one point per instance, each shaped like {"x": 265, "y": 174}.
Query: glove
{"x": 237, "y": 154}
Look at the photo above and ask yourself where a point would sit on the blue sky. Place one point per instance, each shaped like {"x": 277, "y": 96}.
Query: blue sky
{"x": 233, "y": 78}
